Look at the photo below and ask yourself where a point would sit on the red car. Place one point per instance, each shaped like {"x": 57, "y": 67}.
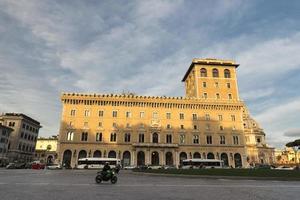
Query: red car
{"x": 37, "y": 165}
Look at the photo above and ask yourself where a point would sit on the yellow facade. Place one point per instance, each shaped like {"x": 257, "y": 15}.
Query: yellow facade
{"x": 46, "y": 150}
{"x": 207, "y": 123}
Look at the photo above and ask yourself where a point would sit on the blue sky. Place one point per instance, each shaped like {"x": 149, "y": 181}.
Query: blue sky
{"x": 47, "y": 47}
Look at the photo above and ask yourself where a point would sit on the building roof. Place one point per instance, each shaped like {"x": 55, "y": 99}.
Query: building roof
{"x": 209, "y": 61}
{"x": 21, "y": 115}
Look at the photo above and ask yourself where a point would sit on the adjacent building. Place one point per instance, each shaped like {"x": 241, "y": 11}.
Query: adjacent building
{"x": 211, "y": 122}
{"x": 21, "y": 142}
{"x": 4, "y": 135}
{"x": 45, "y": 150}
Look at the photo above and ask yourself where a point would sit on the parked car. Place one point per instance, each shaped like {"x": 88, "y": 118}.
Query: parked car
{"x": 53, "y": 166}
{"x": 129, "y": 167}
{"x": 155, "y": 167}
{"x": 264, "y": 166}
{"x": 16, "y": 166}
{"x": 37, "y": 165}
{"x": 170, "y": 167}
{"x": 284, "y": 168}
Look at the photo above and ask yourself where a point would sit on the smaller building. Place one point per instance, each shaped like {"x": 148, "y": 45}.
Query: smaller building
{"x": 45, "y": 150}
{"x": 287, "y": 156}
{"x": 4, "y": 135}
{"x": 21, "y": 142}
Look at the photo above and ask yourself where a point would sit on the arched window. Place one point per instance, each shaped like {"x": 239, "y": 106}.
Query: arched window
{"x": 97, "y": 154}
{"x": 226, "y": 73}
{"x": 210, "y": 156}
{"x": 215, "y": 72}
{"x": 203, "y": 72}
{"x": 112, "y": 154}
{"x": 196, "y": 155}
{"x": 155, "y": 138}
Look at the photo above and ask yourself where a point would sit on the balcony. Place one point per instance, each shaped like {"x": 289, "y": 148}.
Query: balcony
{"x": 164, "y": 145}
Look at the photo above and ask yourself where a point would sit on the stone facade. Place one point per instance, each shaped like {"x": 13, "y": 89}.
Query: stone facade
{"x": 159, "y": 130}
{"x": 22, "y": 139}
{"x": 46, "y": 150}
{"x": 4, "y": 135}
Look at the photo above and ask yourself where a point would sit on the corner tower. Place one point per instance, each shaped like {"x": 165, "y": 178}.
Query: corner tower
{"x": 212, "y": 79}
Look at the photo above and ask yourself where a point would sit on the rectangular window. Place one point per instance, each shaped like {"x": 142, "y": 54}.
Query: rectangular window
{"x": 204, "y": 84}
{"x": 168, "y": 126}
{"x": 208, "y": 139}
{"x": 142, "y": 114}
{"x": 127, "y": 137}
{"x": 98, "y": 137}
{"x": 70, "y": 136}
{"x": 222, "y": 139}
{"x": 195, "y": 127}
{"x": 195, "y": 117}
{"x": 229, "y": 96}
{"x": 216, "y": 84}
{"x": 86, "y": 113}
{"x": 114, "y": 125}
{"x": 181, "y": 126}
{"x": 114, "y": 113}
{"x": 168, "y": 115}
{"x": 181, "y": 116}
{"x": 228, "y": 85}
{"x": 196, "y": 139}
{"x": 233, "y": 118}
{"x": 128, "y": 125}
{"x": 128, "y": 114}
{"x": 207, "y": 117}
{"x": 236, "y": 140}
{"x": 221, "y": 128}
{"x": 169, "y": 138}
{"x": 182, "y": 139}
{"x": 205, "y": 95}
{"x": 220, "y": 118}
{"x": 100, "y": 124}
{"x": 84, "y": 136}
{"x": 218, "y": 96}
{"x": 73, "y": 113}
{"x": 101, "y": 113}
{"x": 113, "y": 137}
{"x": 141, "y": 138}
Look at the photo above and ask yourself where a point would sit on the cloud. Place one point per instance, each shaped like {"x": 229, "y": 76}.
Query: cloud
{"x": 145, "y": 47}
{"x": 292, "y": 133}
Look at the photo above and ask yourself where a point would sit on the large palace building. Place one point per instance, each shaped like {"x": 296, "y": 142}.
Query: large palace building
{"x": 209, "y": 122}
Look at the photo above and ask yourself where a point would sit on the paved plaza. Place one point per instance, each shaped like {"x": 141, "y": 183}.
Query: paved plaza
{"x": 79, "y": 184}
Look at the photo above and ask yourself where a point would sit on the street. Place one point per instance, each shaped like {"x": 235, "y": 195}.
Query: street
{"x": 80, "y": 184}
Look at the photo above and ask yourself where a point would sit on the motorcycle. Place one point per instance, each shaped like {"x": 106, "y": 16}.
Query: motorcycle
{"x": 110, "y": 175}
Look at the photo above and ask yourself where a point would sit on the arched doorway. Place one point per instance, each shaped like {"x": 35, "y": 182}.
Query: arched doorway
{"x": 50, "y": 159}
{"x": 126, "y": 158}
{"x": 155, "y": 158}
{"x": 210, "y": 156}
{"x": 237, "y": 160}
{"x": 224, "y": 157}
{"x": 97, "y": 154}
{"x": 112, "y": 154}
{"x": 140, "y": 158}
{"x": 169, "y": 158}
{"x": 196, "y": 155}
{"x": 182, "y": 156}
{"x": 155, "y": 138}
{"x": 67, "y": 158}
{"x": 82, "y": 154}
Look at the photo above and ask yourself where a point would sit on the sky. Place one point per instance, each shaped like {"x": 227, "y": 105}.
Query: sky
{"x": 145, "y": 47}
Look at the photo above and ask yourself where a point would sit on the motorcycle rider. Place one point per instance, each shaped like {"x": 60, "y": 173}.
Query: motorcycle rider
{"x": 106, "y": 169}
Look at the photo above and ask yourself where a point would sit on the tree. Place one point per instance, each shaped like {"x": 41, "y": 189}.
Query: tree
{"x": 295, "y": 145}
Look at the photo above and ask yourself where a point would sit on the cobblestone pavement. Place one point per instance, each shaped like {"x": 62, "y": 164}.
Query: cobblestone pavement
{"x": 79, "y": 184}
